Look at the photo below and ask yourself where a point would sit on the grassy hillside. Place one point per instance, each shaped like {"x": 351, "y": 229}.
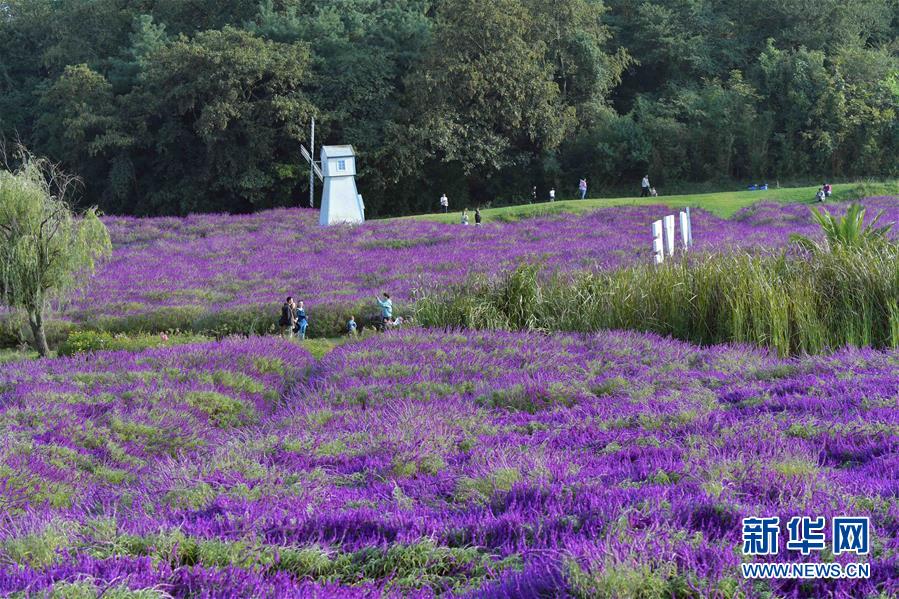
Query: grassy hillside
{"x": 724, "y": 203}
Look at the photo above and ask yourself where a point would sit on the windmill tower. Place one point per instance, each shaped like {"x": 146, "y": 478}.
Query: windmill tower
{"x": 341, "y": 202}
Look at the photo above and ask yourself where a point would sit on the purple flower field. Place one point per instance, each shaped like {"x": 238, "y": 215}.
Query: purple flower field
{"x": 207, "y": 263}
{"x": 417, "y": 463}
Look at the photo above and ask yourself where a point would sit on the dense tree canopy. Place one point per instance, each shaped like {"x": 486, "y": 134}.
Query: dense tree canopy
{"x": 173, "y": 106}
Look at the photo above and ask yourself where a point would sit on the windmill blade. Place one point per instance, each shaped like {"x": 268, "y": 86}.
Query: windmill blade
{"x": 315, "y": 167}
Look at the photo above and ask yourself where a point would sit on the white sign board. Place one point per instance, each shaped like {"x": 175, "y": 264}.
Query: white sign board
{"x": 657, "y": 243}
{"x": 669, "y": 234}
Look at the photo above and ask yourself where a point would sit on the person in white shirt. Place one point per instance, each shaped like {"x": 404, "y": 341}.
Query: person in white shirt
{"x": 444, "y": 203}
{"x": 552, "y": 194}
{"x": 644, "y": 187}
{"x": 465, "y": 216}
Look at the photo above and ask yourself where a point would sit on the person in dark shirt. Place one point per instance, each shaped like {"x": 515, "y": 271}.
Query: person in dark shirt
{"x": 288, "y": 319}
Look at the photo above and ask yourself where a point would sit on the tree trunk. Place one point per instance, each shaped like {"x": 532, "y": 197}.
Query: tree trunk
{"x": 36, "y": 320}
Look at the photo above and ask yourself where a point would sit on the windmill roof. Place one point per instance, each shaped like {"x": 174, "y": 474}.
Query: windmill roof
{"x": 338, "y": 151}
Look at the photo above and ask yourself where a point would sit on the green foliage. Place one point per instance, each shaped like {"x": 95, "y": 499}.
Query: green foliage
{"x": 638, "y": 581}
{"x": 846, "y": 232}
{"x": 168, "y": 107}
{"x": 223, "y": 410}
{"x": 793, "y": 305}
{"x": 467, "y": 117}
{"x": 91, "y": 341}
{"x": 37, "y": 550}
{"x": 46, "y": 249}
{"x": 482, "y": 489}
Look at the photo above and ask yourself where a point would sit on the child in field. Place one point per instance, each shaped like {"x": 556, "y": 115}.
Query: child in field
{"x": 552, "y": 194}
{"x": 582, "y": 188}
{"x": 465, "y": 216}
{"x": 302, "y": 321}
{"x": 820, "y": 195}
{"x": 477, "y": 217}
{"x": 828, "y": 189}
{"x": 351, "y": 326}
{"x": 653, "y": 193}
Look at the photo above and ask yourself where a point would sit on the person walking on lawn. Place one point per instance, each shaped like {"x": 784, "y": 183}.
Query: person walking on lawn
{"x": 582, "y": 188}
{"x": 644, "y": 187}
{"x": 444, "y": 203}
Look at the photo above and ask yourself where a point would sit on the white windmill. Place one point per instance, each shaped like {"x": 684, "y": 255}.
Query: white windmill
{"x": 341, "y": 202}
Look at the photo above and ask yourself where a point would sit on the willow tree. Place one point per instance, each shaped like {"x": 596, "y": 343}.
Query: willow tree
{"x": 47, "y": 249}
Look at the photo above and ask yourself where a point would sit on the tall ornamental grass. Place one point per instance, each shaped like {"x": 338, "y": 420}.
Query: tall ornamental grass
{"x": 803, "y": 302}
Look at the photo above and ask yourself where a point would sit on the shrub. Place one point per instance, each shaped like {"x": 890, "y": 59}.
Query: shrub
{"x": 91, "y": 341}
{"x": 793, "y": 304}
{"x": 325, "y": 321}
{"x": 847, "y": 231}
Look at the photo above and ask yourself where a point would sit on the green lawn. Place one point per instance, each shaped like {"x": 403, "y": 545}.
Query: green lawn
{"x": 321, "y": 346}
{"x": 724, "y": 203}
{"x": 8, "y": 355}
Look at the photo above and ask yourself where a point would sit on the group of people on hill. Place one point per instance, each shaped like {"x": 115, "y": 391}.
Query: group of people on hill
{"x": 646, "y": 190}
{"x": 824, "y": 193}
{"x": 294, "y": 321}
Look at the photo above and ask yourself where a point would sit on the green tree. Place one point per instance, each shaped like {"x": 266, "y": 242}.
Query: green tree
{"x": 485, "y": 90}
{"x": 217, "y": 120}
{"x": 46, "y": 248}
{"x": 361, "y": 52}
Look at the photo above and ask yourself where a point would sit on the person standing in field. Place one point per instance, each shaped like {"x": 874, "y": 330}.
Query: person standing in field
{"x": 444, "y": 203}
{"x": 582, "y": 188}
{"x": 351, "y": 326}
{"x": 386, "y": 308}
{"x": 465, "y": 216}
{"x": 644, "y": 187}
{"x": 552, "y": 194}
{"x": 288, "y": 317}
{"x": 477, "y": 217}
{"x": 302, "y": 321}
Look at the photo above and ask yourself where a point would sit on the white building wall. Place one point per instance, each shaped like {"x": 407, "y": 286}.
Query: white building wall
{"x": 340, "y": 202}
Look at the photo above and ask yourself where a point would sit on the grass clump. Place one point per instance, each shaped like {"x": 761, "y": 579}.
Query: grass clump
{"x": 636, "y": 581}
{"x": 39, "y": 549}
{"x": 91, "y": 341}
{"x": 794, "y": 304}
{"x": 481, "y": 489}
{"x": 223, "y": 410}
